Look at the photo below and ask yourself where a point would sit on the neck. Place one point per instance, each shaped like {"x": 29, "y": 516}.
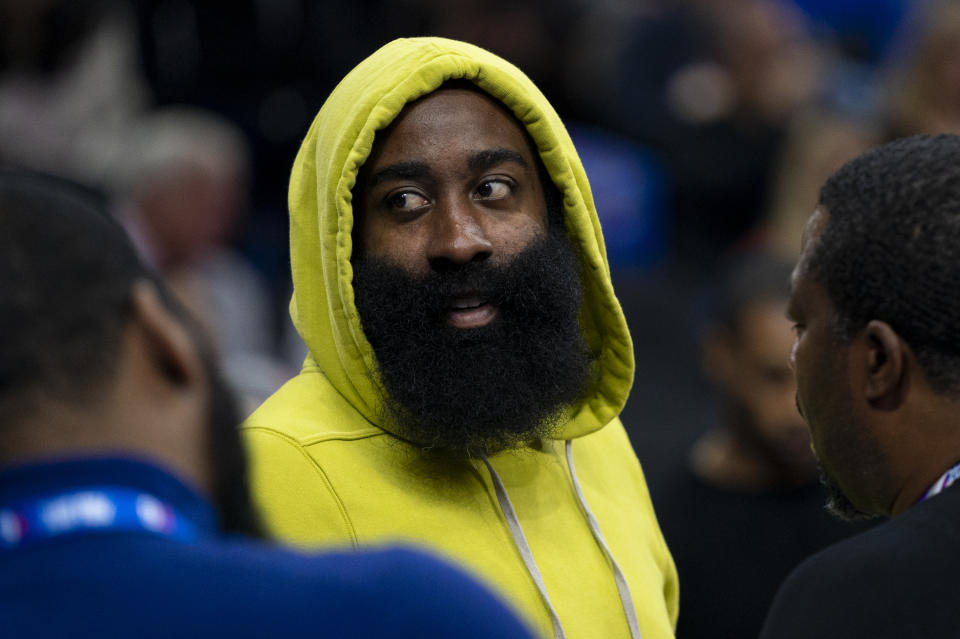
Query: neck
{"x": 914, "y": 491}
{"x": 55, "y": 430}
{"x": 99, "y": 428}
{"x": 926, "y": 446}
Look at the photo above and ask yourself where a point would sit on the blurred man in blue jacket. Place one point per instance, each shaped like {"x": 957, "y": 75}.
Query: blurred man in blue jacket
{"x": 121, "y": 469}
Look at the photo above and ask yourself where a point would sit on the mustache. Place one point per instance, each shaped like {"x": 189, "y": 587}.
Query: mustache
{"x": 484, "y": 279}
{"x": 505, "y": 283}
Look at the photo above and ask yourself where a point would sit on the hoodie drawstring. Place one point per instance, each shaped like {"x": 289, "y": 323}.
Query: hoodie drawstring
{"x": 521, "y": 542}
{"x": 623, "y": 588}
{"x": 626, "y": 598}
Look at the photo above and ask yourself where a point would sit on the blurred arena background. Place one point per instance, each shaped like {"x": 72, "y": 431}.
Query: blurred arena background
{"x": 704, "y": 125}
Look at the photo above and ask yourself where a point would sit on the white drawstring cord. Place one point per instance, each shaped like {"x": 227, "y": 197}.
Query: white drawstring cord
{"x": 521, "y": 542}
{"x": 626, "y": 598}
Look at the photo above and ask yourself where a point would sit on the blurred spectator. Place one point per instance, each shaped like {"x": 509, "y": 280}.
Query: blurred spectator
{"x": 818, "y": 142}
{"x": 186, "y": 179}
{"x": 710, "y": 86}
{"x": 186, "y": 196}
{"x": 267, "y": 65}
{"x": 746, "y": 507}
{"x": 925, "y": 91}
{"x": 70, "y": 87}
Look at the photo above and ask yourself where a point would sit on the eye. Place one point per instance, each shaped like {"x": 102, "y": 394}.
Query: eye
{"x": 406, "y": 201}
{"x": 494, "y": 190}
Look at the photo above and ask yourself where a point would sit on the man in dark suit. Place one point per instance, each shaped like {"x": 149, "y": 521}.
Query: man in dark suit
{"x": 877, "y": 360}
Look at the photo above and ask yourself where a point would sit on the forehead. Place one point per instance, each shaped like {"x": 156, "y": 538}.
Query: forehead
{"x": 808, "y": 242}
{"x": 446, "y": 122}
{"x": 808, "y": 297}
{"x": 813, "y": 228}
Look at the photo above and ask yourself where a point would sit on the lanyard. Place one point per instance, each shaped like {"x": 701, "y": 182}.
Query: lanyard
{"x": 946, "y": 479}
{"x": 88, "y": 510}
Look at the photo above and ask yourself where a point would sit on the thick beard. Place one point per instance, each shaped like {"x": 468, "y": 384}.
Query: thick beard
{"x": 478, "y": 390}
{"x": 838, "y": 504}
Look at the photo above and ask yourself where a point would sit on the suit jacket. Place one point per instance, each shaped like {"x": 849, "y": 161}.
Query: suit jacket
{"x": 894, "y": 581}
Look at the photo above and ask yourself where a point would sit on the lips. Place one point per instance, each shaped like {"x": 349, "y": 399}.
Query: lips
{"x": 470, "y": 311}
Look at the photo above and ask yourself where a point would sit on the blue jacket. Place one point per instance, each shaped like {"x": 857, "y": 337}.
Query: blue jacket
{"x": 131, "y": 581}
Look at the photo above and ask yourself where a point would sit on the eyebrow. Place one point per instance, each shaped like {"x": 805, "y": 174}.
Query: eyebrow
{"x": 419, "y": 170}
{"x": 400, "y": 171}
{"x": 490, "y": 158}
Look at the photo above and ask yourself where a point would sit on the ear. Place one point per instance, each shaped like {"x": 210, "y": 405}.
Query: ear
{"x": 168, "y": 344}
{"x": 885, "y": 373}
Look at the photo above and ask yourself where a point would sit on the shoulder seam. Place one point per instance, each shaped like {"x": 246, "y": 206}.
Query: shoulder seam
{"x": 318, "y": 438}
{"x": 323, "y": 476}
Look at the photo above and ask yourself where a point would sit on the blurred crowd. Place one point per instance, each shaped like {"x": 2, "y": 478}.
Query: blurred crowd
{"x": 706, "y": 128}
{"x": 701, "y": 123}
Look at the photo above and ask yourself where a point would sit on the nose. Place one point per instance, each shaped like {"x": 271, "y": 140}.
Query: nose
{"x": 458, "y": 236}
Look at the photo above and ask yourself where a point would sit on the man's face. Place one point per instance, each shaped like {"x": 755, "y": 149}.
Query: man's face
{"x": 759, "y": 382}
{"x": 469, "y": 299}
{"x": 453, "y": 180}
{"x": 847, "y": 455}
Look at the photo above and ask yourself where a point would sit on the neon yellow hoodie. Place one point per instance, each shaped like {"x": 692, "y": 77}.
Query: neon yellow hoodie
{"x": 325, "y": 471}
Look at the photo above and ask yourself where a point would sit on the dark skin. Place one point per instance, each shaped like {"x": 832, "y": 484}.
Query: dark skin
{"x": 154, "y": 407}
{"x": 878, "y": 428}
{"x": 452, "y": 180}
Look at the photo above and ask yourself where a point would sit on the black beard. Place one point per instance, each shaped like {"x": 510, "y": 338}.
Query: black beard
{"x": 838, "y": 504}
{"x": 478, "y": 390}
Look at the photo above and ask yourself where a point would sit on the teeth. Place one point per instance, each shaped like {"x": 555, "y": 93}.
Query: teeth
{"x": 466, "y": 303}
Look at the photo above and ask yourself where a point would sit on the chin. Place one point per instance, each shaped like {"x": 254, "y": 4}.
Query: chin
{"x": 838, "y": 504}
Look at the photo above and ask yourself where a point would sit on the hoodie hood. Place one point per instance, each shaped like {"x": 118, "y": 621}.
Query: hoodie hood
{"x": 321, "y": 218}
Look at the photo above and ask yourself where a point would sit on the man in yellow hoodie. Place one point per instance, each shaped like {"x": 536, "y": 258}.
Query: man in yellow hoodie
{"x": 468, "y": 357}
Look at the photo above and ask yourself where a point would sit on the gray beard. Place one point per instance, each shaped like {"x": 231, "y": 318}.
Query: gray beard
{"x": 838, "y": 504}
